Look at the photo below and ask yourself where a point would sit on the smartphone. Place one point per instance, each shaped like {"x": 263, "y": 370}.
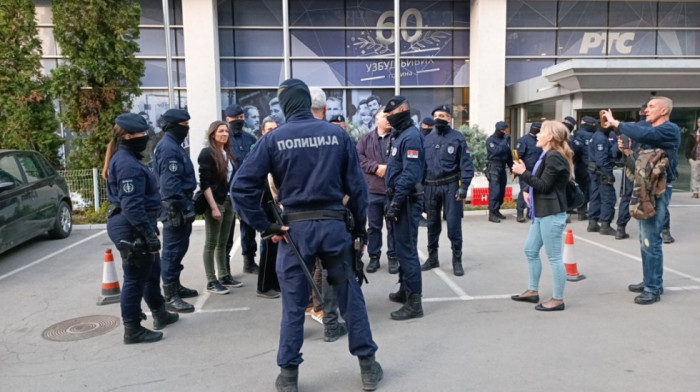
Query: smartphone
{"x": 515, "y": 155}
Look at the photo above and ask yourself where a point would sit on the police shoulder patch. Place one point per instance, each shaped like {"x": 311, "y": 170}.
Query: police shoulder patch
{"x": 412, "y": 154}
{"x": 492, "y": 145}
{"x": 600, "y": 147}
{"x": 173, "y": 166}
{"x": 451, "y": 150}
{"x": 517, "y": 145}
{"x": 394, "y": 150}
{"x": 128, "y": 186}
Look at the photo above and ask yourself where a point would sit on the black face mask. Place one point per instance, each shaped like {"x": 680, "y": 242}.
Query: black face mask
{"x": 400, "y": 121}
{"x": 294, "y": 97}
{"x": 137, "y": 144}
{"x": 236, "y": 126}
{"x": 426, "y": 131}
{"x": 178, "y": 130}
{"x": 442, "y": 126}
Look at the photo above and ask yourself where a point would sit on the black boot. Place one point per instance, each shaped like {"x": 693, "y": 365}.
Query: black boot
{"x": 432, "y": 261}
{"x": 605, "y": 229}
{"x": 520, "y": 217}
{"x": 499, "y": 215}
{"x": 666, "y": 236}
{"x": 620, "y": 233}
{"x": 371, "y": 372}
{"x": 457, "y": 264}
{"x": 135, "y": 333}
{"x": 173, "y": 302}
{"x": 373, "y": 265}
{"x": 399, "y": 296}
{"x": 393, "y": 264}
{"x": 411, "y": 309}
{"x": 493, "y": 218}
{"x": 288, "y": 379}
{"x": 249, "y": 266}
{"x": 184, "y": 292}
{"x": 162, "y": 317}
{"x": 583, "y": 215}
{"x": 593, "y": 226}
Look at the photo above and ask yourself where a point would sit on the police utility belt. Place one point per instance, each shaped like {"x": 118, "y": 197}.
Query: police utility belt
{"x": 309, "y": 215}
{"x": 116, "y": 210}
{"x": 443, "y": 181}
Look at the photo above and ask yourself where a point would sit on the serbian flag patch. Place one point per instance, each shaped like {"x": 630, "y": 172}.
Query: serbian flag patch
{"x": 412, "y": 154}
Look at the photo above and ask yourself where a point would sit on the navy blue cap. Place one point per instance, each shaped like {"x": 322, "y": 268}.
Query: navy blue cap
{"x": 394, "y": 102}
{"x": 570, "y": 120}
{"x": 233, "y": 110}
{"x": 175, "y": 116}
{"x": 337, "y": 119}
{"x": 589, "y": 120}
{"x": 429, "y": 121}
{"x": 535, "y": 127}
{"x": 132, "y": 123}
{"x": 643, "y": 107}
{"x": 442, "y": 108}
{"x": 501, "y": 126}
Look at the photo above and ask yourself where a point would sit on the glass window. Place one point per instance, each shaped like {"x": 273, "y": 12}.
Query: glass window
{"x": 48, "y": 65}
{"x": 532, "y": 13}
{"x": 265, "y": 101}
{"x": 583, "y": 14}
{"x": 541, "y": 111}
{"x": 177, "y": 42}
{"x": 227, "y": 68}
{"x": 226, "y": 42}
{"x": 151, "y": 12}
{"x": 461, "y": 44}
{"x": 423, "y": 101}
{"x": 179, "y": 75}
{"x": 426, "y": 13}
{"x": 259, "y": 73}
{"x": 530, "y": 43}
{"x": 376, "y": 13}
{"x": 461, "y": 72}
{"x": 631, "y": 43}
{"x": 258, "y": 43}
{"x": 32, "y": 168}
{"x": 461, "y": 17}
{"x": 318, "y": 43}
{"x": 155, "y": 74}
{"x": 632, "y": 14}
{"x": 44, "y": 15}
{"x": 257, "y": 13}
{"x": 317, "y": 13}
{"x": 151, "y": 42}
{"x": 582, "y": 43}
{"x": 523, "y": 69}
{"x": 175, "y": 12}
{"x": 378, "y": 72}
{"x": 362, "y": 107}
{"x": 363, "y": 43}
{"x": 679, "y": 43}
{"x": 426, "y": 72}
{"x": 679, "y": 14}
{"x": 426, "y": 42}
{"x": 151, "y": 105}
{"x": 49, "y": 47}
{"x": 320, "y": 72}
{"x": 9, "y": 170}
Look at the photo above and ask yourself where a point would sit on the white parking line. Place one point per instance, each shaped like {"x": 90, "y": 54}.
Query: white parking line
{"x": 47, "y": 257}
{"x": 461, "y": 294}
{"x": 202, "y": 299}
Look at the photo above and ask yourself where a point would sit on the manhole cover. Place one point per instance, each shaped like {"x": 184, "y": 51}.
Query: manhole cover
{"x": 81, "y": 328}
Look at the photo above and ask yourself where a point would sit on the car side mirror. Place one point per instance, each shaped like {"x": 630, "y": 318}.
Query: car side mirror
{"x": 6, "y": 186}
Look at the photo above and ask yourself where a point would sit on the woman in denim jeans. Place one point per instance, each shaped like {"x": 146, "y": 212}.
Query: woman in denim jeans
{"x": 216, "y": 167}
{"x": 546, "y": 197}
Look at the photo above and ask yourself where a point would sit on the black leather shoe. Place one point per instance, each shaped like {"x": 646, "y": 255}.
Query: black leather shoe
{"x": 499, "y": 215}
{"x": 647, "y": 298}
{"x": 545, "y": 309}
{"x": 373, "y": 265}
{"x": 493, "y": 218}
{"x": 531, "y": 298}
{"x": 636, "y": 288}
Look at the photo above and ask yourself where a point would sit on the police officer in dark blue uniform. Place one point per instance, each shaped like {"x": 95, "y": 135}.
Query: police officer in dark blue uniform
{"x": 315, "y": 164}
{"x": 449, "y": 172}
{"x": 499, "y": 156}
{"x": 602, "y": 154}
{"x": 241, "y": 143}
{"x": 404, "y": 182}
{"x": 529, "y": 153}
{"x": 173, "y": 167}
{"x": 132, "y": 190}
{"x": 579, "y": 141}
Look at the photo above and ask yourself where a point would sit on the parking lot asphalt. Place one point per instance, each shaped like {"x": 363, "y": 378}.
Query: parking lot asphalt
{"x": 472, "y": 338}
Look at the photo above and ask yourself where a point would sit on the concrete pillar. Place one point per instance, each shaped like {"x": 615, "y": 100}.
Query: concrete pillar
{"x": 201, "y": 32}
{"x": 487, "y": 68}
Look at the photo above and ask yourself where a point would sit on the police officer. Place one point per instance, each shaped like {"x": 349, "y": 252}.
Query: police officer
{"x": 529, "y": 153}
{"x": 315, "y": 164}
{"x": 449, "y": 172}
{"x": 427, "y": 125}
{"x": 579, "y": 141}
{"x": 499, "y": 156}
{"x": 173, "y": 167}
{"x": 241, "y": 144}
{"x": 602, "y": 155}
{"x": 132, "y": 190}
{"x": 404, "y": 182}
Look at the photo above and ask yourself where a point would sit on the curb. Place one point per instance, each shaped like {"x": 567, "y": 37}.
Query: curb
{"x": 103, "y": 226}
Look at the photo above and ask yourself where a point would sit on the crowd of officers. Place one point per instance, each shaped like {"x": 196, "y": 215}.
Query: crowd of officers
{"x": 331, "y": 189}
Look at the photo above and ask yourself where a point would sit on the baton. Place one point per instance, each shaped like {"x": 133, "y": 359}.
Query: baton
{"x": 278, "y": 217}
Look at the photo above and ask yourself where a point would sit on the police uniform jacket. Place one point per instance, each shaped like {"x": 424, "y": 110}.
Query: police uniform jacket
{"x": 406, "y": 167}
{"x": 528, "y": 151}
{"x": 175, "y": 172}
{"x": 549, "y": 184}
{"x": 313, "y": 162}
{"x": 600, "y": 151}
{"x": 448, "y": 154}
{"x": 498, "y": 149}
{"x": 666, "y": 136}
{"x": 371, "y": 156}
{"x": 580, "y": 142}
{"x": 209, "y": 176}
{"x": 241, "y": 145}
{"x": 132, "y": 187}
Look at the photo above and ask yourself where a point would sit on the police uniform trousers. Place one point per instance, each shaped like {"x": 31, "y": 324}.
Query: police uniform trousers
{"x": 497, "y": 185}
{"x": 176, "y": 241}
{"x": 437, "y": 197}
{"x": 375, "y": 219}
{"x": 602, "y": 206}
{"x": 520, "y": 204}
{"x": 139, "y": 282}
{"x": 583, "y": 179}
{"x": 327, "y": 239}
{"x": 623, "y": 210}
{"x": 248, "y": 244}
{"x": 406, "y": 245}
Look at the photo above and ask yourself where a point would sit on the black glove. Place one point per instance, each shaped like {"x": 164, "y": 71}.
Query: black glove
{"x": 462, "y": 193}
{"x": 392, "y": 213}
{"x": 360, "y": 234}
{"x": 272, "y": 230}
{"x": 359, "y": 242}
{"x": 152, "y": 242}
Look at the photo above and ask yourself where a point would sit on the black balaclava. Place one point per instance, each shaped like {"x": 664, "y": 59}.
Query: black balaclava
{"x": 236, "y": 126}
{"x": 401, "y": 120}
{"x": 294, "y": 97}
{"x": 606, "y": 131}
{"x": 136, "y": 145}
{"x": 442, "y": 126}
{"x": 178, "y": 130}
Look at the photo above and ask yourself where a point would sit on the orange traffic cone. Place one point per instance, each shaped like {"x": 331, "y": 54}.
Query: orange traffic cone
{"x": 572, "y": 274}
{"x": 110, "y": 283}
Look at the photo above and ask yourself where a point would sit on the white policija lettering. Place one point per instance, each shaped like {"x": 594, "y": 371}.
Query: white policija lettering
{"x": 623, "y": 42}
{"x": 307, "y": 142}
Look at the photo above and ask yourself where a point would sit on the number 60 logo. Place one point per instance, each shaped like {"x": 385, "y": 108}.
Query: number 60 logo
{"x": 385, "y": 23}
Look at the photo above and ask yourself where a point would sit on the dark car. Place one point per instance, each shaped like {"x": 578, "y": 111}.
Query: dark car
{"x": 34, "y": 199}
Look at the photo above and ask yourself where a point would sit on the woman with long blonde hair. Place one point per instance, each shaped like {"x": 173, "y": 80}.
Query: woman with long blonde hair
{"x": 546, "y": 196}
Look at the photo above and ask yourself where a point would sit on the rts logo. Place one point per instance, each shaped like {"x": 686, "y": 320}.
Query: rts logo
{"x": 621, "y": 41}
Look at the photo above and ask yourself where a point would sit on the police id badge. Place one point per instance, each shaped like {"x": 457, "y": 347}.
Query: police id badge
{"x": 600, "y": 147}
{"x": 172, "y": 166}
{"x": 412, "y": 154}
{"x": 394, "y": 151}
{"x": 451, "y": 149}
{"x": 128, "y": 186}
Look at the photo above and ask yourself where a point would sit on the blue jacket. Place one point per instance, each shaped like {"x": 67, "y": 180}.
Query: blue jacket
{"x": 448, "y": 154}
{"x": 601, "y": 152}
{"x": 314, "y": 164}
{"x": 134, "y": 188}
{"x": 406, "y": 167}
{"x": 498, "y": 149}
{"x": 528, "y": 151}
{"x": 666, "y": 136}
{"x": 580, "y": 142}
{"x": 173, "y": 167}
{"x": 241, "y": 145}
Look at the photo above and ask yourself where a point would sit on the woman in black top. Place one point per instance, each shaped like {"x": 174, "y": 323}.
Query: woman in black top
{"x": 216, "y": 167}
{"x": 546, "y": 197}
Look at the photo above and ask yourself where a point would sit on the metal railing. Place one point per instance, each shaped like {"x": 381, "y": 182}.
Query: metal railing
{"x": 87, "y": 188}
